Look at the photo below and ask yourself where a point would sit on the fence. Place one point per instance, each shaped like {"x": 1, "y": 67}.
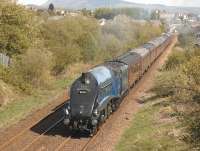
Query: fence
{"x": 4, "y": 60}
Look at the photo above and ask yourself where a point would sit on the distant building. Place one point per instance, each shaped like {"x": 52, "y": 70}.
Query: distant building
{"x": 61, "y": 12}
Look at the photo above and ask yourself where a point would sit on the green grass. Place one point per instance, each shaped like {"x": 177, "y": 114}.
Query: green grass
{"x": 19, "y": 109}
{"x": 63, "y": 83}
{"x": 147, "y": 134}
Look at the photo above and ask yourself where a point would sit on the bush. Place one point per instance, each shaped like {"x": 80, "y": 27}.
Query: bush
{"x": 175, "y": 60}
{"x": 122, "y": 34}
{"x": 112, "y": 46}
{"x": 182, "y": 84}
{"x": 31, "y": 70}
{"x": 71, "y": 40}
{"x": 147, "y": 32}
{"x": 108, "y": 13}
{"x": 17, "y": 29}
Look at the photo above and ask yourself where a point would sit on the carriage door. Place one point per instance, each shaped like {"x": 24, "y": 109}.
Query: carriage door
{"x": 124, "y": 79}
{"x": 117, "y": 83}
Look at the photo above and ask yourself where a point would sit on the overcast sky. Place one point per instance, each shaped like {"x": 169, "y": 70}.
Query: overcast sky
{"x": 166, "y": 2}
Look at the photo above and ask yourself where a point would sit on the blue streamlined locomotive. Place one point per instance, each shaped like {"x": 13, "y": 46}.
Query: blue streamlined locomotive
{"x": 99, "y": 92}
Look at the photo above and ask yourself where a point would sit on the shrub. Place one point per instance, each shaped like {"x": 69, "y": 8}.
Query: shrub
{"x": 122, "y": 34}
{"x": 175, "y": 60}
{"x": 112, "y": 46}
{"x": 182, "y": 84}
{"x": 147, "y": 31}
{"x": 108, "y": 13}
{"x": 17, "y": 29}
{"x": 71, "y": 40}
{"x": 186, "y": 39}
{"x": 31, "y": 70}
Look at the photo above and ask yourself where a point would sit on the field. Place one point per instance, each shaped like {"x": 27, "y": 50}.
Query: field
{"x": 153, "y": 128}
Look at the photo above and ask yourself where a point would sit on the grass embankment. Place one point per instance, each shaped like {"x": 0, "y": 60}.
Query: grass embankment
{"x": 153, "y": 129}
{"x": 23, "y": 106}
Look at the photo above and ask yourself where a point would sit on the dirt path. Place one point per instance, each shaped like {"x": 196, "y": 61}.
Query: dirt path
{"x": 27, "y": 133}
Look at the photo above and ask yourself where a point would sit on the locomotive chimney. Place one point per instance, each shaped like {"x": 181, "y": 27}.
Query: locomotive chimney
{"x": 83, "y": 77}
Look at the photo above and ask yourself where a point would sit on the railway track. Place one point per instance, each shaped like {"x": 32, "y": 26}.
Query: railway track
{"x": 90, "y": 141}
{"x": 20, "y": 134}
{"x": 63, "y": 144}
{"x": 49, "y": 129}
{"x": 86, "y": 142}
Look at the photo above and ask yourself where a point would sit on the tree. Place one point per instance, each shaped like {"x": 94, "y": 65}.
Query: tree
{"x": 51, "y": 7}
{"x": 155, "y": 15}
{"x": 31, "y": 70}
{"x": 86, "y": 12}
{"x": 106, "y": 13}
{"x": 17, "y": 29}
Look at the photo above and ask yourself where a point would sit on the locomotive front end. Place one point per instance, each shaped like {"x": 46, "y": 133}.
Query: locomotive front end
{"x": 79, "y": 112}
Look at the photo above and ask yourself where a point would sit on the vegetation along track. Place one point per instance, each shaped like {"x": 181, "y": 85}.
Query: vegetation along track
{"x": 50, "y": 134}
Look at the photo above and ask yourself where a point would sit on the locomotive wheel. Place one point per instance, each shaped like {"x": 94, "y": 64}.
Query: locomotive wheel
{"x": 106, "y": 112}
{"x": 94, "y": 130}
{"x": 104, "y": 115}
{"x": 114, "y": 106}
{"x": 109, "y": 108}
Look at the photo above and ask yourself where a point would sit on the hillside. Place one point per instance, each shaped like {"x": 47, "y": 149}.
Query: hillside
{"x": 86, "y": 3}
{"x": 92, "y": 4}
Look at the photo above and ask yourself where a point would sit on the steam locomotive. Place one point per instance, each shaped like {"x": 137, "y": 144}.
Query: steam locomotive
{"x": 99, "y": 92}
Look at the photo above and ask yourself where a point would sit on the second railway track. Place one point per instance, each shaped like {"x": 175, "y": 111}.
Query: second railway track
{"x": 39, "y": 126}
{"x": 42, "y": 135}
